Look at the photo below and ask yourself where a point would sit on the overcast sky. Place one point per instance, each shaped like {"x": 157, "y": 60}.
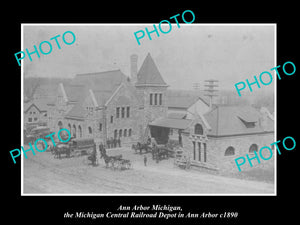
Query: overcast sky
{"x": 189, "y": 54}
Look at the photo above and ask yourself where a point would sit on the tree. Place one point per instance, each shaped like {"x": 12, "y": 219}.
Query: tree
{"x": 30, "y": 87}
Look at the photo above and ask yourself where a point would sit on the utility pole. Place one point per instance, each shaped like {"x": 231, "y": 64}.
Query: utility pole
{"x": 196, "y": 86}
{"x": 210, "y": 91}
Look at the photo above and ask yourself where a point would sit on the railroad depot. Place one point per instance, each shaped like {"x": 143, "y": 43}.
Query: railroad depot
{"x": 108, "y": 106}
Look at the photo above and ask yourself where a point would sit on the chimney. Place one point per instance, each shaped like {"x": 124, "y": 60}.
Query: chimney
{"x": 133, "y": 68}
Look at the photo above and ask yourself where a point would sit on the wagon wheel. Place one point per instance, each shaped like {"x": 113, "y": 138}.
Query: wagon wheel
{"x": 85, "y": 161}
{"x": 119, "y": 165}
{"x": 113, "y": 164}
{"x": 123, "y": 165}
{"x": 129, "y": 165}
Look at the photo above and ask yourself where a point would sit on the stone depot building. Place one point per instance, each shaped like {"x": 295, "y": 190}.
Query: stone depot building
{"x": 106, "y": 105}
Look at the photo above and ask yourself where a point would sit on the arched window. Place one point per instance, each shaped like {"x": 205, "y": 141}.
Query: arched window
{"x": 253, "y": 148}
{"x": 120, "y": 133}
{"x": 90, "y": 130}
{"x": 60, "y": 124}
{"x": 74, "y": 131}
{"x": 125, "y": 133}
{"x": 80, "y": 131}
{"x": 69, "y": 128}
{"x": 129, "y": 133}
{"x": 198, "y": 129}
{"x": 115, "y": 134}
{"x": 229, "y": 151}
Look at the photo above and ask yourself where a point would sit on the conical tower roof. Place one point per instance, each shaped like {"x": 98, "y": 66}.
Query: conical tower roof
{"x": 149, "y": 75}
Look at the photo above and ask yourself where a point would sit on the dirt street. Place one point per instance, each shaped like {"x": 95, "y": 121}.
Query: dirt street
{"x": 43, "y": 174}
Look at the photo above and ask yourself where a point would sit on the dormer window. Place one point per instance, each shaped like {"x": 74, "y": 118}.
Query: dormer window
{"x": 248, "y": 124}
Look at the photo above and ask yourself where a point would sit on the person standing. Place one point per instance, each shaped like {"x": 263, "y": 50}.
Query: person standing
{"x": 112, "y": 141}
{"x": 119, "y": 142}
{"x": 180, "y": 139}
{"x": 145, "y": 160}
{"x": 108, "y": 143}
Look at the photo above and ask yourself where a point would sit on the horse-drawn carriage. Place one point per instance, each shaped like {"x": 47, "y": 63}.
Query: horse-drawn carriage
{"x": 33, "y": 133}
{"x": 75, "y": 147}
{"x": 158, "y": 151}
{"x": 82, "y": 146}
{"x": 60, "y": 149}
{"x": 115, "y": 162}
{"x": 142, "y": 147}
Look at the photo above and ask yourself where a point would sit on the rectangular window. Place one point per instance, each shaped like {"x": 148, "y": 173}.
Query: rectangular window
{"x": 204, "y": 149}
{"x": 199, "y": 151}
{"x": 118, "y": 112}
{"x": 29, "y": 119}
{"x": 151, "y": 96}
{"x": 123, "y": 112}
{"x": 155, "y": 99}
{"x": 111, "y": 119}
{"x": 160, "y": 99}
{"x": 35, "y": 119}
{"x": 194, "y": 147}
{"x": 128, "y": 112}
{"x": 100, "y": 126}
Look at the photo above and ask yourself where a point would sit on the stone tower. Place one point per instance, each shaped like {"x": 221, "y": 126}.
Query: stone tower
{"x": 151, "y": 89}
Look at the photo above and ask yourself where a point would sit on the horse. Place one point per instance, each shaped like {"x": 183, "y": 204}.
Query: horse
{"x": 139, "y": 146}
{"x": 159, "y": 152}
{"x": 134, "y": 147}
{"x": 93, "y": 158}
{"x": 61, "y": 149}
{"x": 107, "y": 159}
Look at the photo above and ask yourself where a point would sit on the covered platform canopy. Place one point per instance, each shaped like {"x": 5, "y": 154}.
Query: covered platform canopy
{"x": 171, "y": 123}
{"x": 160, "y": 128}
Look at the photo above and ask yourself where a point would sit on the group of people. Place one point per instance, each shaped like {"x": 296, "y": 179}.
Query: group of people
{"x": 113, "y": 142}
{"x": 93, "y": 156}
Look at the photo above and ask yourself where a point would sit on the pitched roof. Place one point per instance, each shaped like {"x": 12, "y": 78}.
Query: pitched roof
{"x": 171, "y": 123}
{"x": 75, "y": 92}
{"x": 104, "y": 81}
{"x": 38, "y": 103}
{"x": 149, "y": 74}
{"x": 181, "y": 101}
{"x": 176, "y": 115}
{"x": 76, "y": 111}
{"x": 102, "y": 84}
{"x": 230, "y": 120}
{"x": 183, "y": 98}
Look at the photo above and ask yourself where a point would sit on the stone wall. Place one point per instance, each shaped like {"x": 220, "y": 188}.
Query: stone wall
{"x": 241, "y": 145}
{"x": 216, "y": 147}
{"x": 124, "y": 98}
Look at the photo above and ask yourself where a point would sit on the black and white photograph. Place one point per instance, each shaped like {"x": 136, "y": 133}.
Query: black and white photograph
{"x": 149, "y": 115}
{"x": 162, "y": 118}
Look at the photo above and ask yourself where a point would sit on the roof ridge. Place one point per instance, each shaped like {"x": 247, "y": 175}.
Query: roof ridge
{"x": 95, "y": 73}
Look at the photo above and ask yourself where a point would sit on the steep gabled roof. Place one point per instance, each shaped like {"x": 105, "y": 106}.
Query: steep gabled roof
{"x": 74, "y": 93}
{"x": 149, "y": 74}
{"x": 77, "y": 111}
{"x": 100, "y": 81}
{"x": 184, "y": 98}
{"x": 101, "y": 84}
{"x": 39, "y": 104}
{"x": 230, "y": 120}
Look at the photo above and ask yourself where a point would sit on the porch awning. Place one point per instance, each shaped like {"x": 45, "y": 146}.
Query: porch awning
{"x": 171, "y": 123}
